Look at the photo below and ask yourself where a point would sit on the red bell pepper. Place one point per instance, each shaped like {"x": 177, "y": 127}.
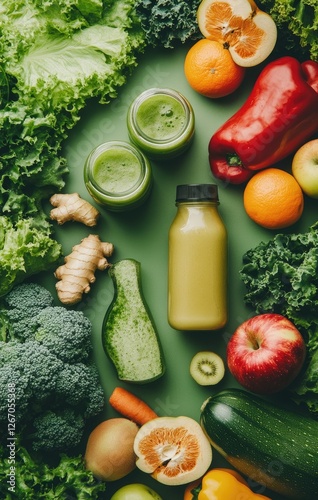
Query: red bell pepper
{"x": 279, "y": 116}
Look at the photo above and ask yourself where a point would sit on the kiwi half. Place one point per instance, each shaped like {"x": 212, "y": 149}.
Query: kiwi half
{"x": 207, "y": 368}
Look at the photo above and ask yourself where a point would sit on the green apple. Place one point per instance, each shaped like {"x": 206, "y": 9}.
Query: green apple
{"x": 305, "y": 168}
{"x": 135, "y": 491}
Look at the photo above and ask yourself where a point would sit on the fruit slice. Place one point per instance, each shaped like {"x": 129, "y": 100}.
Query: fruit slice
{"x": 174, "y": 450}
{"x": 249, "y": 33}
{"x": 207, "y": 368}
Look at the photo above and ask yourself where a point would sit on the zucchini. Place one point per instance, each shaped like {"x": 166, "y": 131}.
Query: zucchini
{"x": 274, "y": 446}
{"x": 129, "y": 335}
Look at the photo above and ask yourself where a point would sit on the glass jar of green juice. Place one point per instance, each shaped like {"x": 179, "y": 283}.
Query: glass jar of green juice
{"x": 118, "y": 176}
{"x": 160, "y": 122}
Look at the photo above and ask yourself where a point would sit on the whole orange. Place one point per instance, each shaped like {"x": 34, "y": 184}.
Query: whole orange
{"x": 273, "y": 199}
{"x": 210, "y": 69}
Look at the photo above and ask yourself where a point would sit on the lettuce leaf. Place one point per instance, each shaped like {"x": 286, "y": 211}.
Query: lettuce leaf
{"x": 281, "y": 276}
{"x": 63, "y": 72}
{"x": 24, "y": 250}
{"x": 31, "y": 167}
{"x": 66, "y": 479}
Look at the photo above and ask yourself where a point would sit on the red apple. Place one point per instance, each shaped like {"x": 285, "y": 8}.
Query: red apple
{"x": 305, "y": 168}
{"x": 266, "y": 353}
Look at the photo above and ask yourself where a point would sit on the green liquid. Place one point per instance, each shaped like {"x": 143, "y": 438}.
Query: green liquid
{"x": 116, "y": 171}
{"x": 161, "y": 117}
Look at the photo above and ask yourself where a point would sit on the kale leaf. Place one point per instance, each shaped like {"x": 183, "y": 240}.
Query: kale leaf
{"x": 168, "y": 22}
{"x": 281, "y": 276}
{"x": 297, "y": 23}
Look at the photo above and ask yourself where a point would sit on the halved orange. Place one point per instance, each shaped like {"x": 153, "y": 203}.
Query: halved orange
{"x": 249, "y": 33}
{"x": 174, "y": 450}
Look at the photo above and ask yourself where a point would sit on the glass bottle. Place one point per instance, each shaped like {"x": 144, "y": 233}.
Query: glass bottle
{"x": 197, "y": 266}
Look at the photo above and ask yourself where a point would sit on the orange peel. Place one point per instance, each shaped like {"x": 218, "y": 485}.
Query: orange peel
{"x": 249, "y": 33}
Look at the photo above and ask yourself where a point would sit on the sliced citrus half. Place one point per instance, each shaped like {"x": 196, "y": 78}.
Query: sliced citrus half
{"x": 174, "y": 450}
{"x": 249, "y": 33}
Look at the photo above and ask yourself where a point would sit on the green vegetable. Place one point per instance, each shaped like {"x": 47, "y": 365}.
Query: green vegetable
{"x": 129, "y": 334}
{"x": 24, "y": 250}
{"x": 35, "y": 480}
{"x": 297, "y": 23}
{"x": 168, "y": 22}
{"x": 272, "y": 445}
{"x": 46, "y": 355}
{"x": 55, "y": 56}
{"x": 281, "y": 276}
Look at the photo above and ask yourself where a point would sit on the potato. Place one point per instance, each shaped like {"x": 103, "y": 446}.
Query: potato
{"x": 109, "y": 451}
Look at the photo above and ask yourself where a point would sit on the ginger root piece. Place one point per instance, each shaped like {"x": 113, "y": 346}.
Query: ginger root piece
{"x": 71, "y": 207}
{"x": 78, "y": 271}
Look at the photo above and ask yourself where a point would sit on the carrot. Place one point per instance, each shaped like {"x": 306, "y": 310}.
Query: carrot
{"x": 131, "y": 406}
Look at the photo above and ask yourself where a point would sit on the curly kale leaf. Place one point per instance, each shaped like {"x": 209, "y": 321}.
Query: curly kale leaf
{"x": 297, "y": 23}
{"x": 306, "y": 388}
{"x": 281, "y": 276}
{"x": 167, "y": 22}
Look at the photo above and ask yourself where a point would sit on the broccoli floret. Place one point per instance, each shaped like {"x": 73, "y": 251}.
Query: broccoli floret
{"x": 14, "y": 388}
{"x": 42, "y": 367}
{"x": 32, "y": 369}
{"x": 27, "y": 296}
{"x": 66, "y": 333}
{"x": 79, "y": 385}
{"x": 22, "y": 306}
{"x": 95, "y": 401}
{"x": 57, "y": 431}
{"x": 51, "y": 369}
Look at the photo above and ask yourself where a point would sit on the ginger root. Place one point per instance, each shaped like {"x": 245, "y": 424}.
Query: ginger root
{"x": 71, "y": 207}
{"x": 78, "y": 271}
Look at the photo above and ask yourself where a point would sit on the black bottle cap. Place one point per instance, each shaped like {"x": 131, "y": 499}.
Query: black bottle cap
{"x": 197, "y": 192}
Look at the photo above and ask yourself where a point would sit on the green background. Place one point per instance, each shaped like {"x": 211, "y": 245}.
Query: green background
{"x": 142, "y": 235}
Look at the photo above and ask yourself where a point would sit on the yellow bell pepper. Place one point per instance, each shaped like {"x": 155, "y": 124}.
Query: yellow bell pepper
{"x": 221, "y": 484}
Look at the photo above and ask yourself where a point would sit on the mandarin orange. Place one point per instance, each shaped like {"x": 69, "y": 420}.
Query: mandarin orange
{"x": 273, "y": 199}
{"x": 210, "y": 69}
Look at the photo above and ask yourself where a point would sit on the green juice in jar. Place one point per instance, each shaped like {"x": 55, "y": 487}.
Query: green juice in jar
{"x": 161, "y": 123}
{"x": 118, "y": 176}
{"x": 116, "y": 171}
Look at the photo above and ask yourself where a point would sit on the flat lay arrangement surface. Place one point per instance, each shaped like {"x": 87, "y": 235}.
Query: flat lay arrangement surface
{"x": 120, "y": 324}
